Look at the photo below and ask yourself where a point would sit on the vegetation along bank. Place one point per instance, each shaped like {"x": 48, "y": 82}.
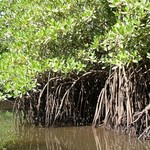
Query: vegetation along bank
{"x": 77, "y": 62}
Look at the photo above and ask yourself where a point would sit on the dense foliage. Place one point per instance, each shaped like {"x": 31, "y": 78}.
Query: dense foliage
{"x": 128, "y": 40}
{"x": 68, "y": 36}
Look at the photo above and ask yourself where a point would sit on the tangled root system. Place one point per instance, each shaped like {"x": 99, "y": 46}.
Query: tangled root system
{"x": 62, "y": 101}
{"x": 124, "y": 102}
{"x": 119, "y": 99}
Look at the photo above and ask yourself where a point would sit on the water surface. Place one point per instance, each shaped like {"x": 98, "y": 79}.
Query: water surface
{"x": 76, "y": 138}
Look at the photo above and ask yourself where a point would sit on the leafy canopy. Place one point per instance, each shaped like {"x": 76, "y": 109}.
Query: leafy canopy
{"x": 68, "y": 36}
{"x": 128, "y": 41}
{"x": 54, "y": 35}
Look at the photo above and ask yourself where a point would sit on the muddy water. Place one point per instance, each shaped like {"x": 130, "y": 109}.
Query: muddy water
{"x": 75, "y": 138}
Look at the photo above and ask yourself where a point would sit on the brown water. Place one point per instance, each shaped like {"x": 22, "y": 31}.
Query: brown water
{"x": 76, "y": 138}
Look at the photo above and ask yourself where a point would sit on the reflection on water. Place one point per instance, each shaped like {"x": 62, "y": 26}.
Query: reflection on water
{"x": 76, "y": 138}
{"x": 108, "y": 140}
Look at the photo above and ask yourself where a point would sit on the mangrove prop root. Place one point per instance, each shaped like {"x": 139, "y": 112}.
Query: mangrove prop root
{"x": 118, "y": 99}
{"x": 60, "y": 101}
{"x": 124, "y": 102}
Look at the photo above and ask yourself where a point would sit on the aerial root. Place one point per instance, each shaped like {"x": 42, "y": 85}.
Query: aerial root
{"x": 124, "y": 94}
{"x": 63, "y": 101}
